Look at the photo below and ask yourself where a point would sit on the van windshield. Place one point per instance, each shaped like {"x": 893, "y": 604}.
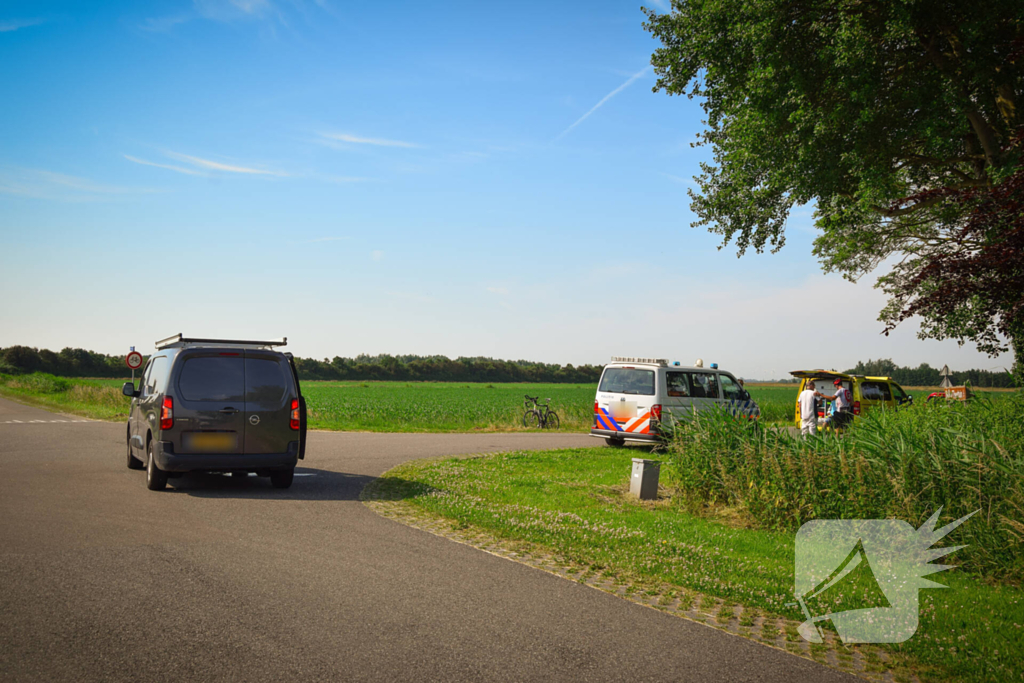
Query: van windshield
{"x": 628, "y": 381}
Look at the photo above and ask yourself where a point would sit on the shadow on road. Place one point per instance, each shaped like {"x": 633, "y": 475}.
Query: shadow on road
{"x": 309, "y": 484}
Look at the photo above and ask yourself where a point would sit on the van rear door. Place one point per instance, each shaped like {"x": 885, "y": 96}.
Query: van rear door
{"x": 268, "y": 396}
{"x": 624, "y": 399}
{"x": 209, "y": 403}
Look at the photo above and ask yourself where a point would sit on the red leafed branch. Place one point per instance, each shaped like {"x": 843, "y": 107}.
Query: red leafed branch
{"x": 984, "y": 268}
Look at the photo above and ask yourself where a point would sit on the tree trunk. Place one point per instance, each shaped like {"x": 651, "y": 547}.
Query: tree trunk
{"x": 1016, "y": 335}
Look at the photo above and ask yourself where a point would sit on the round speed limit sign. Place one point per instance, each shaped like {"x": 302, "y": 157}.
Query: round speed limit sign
{"x": 134, "y": 360}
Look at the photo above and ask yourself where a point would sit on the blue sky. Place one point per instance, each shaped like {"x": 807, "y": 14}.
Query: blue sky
{"x": 453, "y": 178}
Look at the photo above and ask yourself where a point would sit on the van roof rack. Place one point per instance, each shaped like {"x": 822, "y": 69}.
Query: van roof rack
{"x": 645, "y": 361}
{"x": 179, "y": 341}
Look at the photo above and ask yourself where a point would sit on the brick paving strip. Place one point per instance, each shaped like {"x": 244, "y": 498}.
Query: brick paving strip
{"x": 865, "y": 661}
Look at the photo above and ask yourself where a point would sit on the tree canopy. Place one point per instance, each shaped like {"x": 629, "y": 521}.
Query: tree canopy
{"x": 877, "y": 111}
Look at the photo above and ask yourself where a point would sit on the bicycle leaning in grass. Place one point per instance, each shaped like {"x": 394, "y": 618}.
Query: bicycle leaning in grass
{"x": 539, "y": 415}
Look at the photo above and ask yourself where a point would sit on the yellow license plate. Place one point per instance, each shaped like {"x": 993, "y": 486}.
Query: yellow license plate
{"x": 210, "y": 442}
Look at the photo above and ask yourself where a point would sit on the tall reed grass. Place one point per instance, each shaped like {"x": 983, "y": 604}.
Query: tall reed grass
{"x": 890, "y": 464}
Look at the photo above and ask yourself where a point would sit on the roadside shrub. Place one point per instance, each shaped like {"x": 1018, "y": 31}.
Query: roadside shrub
{"x": 39, "y": 382}
{"x": 902, "y": 464}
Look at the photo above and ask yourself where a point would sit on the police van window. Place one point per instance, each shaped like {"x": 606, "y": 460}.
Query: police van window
{"x": 899, "y": 394}
{"x": 678, "y": 383}
{"x": 628, "y": 381}
{"x": 156, "y": 379}
{"x": 212, "y": 378}
{"x": 264, "y": 380}
{"x": 705, "y": 385}
{"x": 730, "y": 388}
{"x": 875, "y": 391}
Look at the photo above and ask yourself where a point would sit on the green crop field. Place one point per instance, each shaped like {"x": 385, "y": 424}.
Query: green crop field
{"x": 440, "y": 407}
{"x": 389, "y": 406}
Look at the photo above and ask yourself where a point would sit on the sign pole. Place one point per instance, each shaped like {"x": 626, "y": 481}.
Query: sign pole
{"x": 134, "y": 361}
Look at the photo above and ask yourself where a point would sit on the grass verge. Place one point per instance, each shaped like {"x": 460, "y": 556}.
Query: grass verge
{"x": 572, "y": 507}
{"x": 96, "y": 399}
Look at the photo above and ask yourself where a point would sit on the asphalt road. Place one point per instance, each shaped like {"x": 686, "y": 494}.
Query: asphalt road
{"x": 218, "y": 579}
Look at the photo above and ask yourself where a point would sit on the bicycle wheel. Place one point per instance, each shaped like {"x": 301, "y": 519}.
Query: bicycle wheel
{"x": 551, "y": 421}
{"x": 531, "y": 419}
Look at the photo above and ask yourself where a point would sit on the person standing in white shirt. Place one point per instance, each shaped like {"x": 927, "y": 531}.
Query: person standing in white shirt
{"x": 808, "y": 410}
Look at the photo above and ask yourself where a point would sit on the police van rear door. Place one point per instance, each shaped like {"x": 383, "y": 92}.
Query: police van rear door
{"x": 624, "y": 399}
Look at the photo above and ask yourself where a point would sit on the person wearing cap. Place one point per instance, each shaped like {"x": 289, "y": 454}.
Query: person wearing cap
{"x": 808, "y": 410}
{"x": 843, "y": 405}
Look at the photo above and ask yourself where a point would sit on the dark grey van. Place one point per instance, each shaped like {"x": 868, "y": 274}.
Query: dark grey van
{"x": 217, "y": 405}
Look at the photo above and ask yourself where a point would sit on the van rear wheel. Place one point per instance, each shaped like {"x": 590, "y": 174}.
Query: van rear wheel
{"x": 617, "y": 443}
{"x": 282, "y": 479}
{"x": 156, "y": 478}
{"x": 133, "y": 462}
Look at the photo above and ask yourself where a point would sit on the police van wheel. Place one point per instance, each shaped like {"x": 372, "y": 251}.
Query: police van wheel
{"x": 617, "y": 443}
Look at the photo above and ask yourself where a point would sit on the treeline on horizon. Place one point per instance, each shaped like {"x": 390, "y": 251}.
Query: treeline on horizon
{"x": 925, "y": 375}
{"x": 16, "y": 360}
{"x": 68, "y": 362}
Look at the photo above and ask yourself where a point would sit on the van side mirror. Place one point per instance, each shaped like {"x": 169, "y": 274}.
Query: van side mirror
{"x": 129, "y": 390}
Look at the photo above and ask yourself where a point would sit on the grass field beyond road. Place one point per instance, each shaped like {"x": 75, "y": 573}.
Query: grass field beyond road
{"x": 575, "y": 503}
{"x": 385, "y": 406}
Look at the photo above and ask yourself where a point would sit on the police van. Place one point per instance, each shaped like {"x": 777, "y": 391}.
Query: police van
{"x": 637, "y": 398}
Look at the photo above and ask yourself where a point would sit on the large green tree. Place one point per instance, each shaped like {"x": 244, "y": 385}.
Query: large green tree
{"x": 882, "y": 113}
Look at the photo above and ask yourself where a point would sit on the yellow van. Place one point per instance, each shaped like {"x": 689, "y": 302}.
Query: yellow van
{"x": 869, "y": 393}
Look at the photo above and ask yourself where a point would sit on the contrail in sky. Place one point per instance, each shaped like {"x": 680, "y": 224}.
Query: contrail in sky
{"x": 607, "y": 97}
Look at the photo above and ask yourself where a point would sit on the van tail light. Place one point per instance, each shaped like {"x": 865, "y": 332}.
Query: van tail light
{"x": 656, "y": 412}
{"x": 167, "y": 413}
{"x": 597, "y": 408}
{"x": 293, "y": 422}
{"x": 856, "y": 407}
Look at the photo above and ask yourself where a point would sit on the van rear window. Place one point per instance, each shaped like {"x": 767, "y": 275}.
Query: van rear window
{"x": 264, "y": 380}
{"x": 628, "y": 381}
{"x": 212, "y": 378}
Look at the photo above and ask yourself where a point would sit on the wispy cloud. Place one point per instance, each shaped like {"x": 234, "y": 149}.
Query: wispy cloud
{"x": 377, "y": 255}
{"x": 604, "y": 99}
{"x": 379, "y": 142}
{"x": 179, "y": 169}
{"x": 218, "y": 166}
{"x": 40, "y": 184}
{"x": 663, "y": 5}
{"x": 163, "y": 24}
{"x": 15, "y": 24}
{"x": 501, "y": 291}
{"x": 325, "y": 239}
{"x": 230, "y": 10}
{"x": 679, "y": 179}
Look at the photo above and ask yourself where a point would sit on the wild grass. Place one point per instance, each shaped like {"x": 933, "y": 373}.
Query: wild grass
{"x": 575, "y": 504}
{"x": 96, "y": 399}
{"x": 904, "y": 464}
